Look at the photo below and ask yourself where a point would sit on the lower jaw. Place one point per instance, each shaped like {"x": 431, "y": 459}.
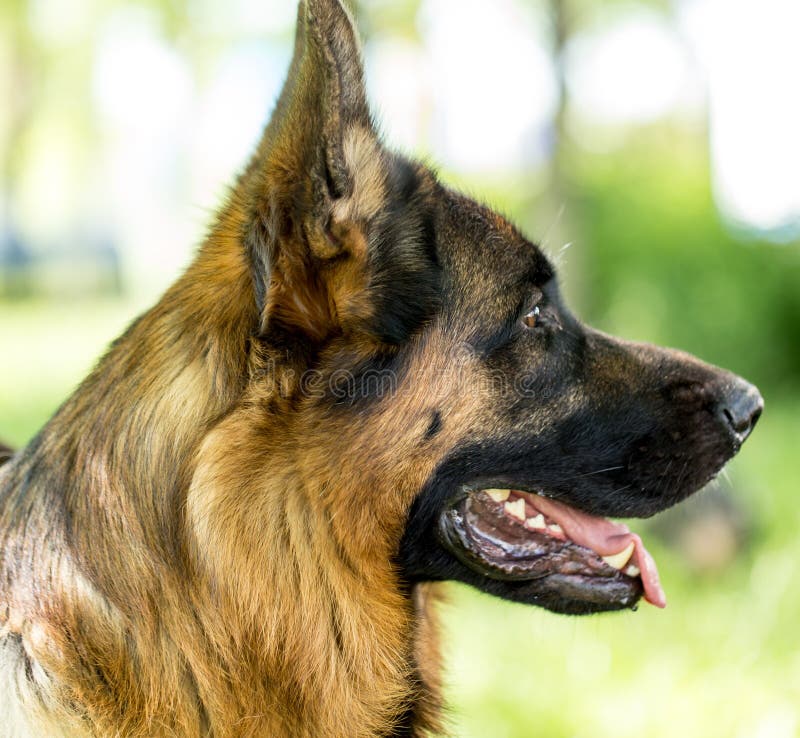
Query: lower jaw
{"x": 563, "y": 595}
{"x": 542, "y": 570}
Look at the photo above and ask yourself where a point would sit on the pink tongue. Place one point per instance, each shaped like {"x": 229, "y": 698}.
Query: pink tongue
{"x": 605, "y": 538}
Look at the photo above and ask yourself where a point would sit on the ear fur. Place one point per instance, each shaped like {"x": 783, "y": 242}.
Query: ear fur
{"x": 316, "y": 180}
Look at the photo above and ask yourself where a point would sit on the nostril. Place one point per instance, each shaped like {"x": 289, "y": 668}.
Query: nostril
{"x": 742, "y": 410}
{"x": 729, "y": 417}
{"x": 741, "y": 423}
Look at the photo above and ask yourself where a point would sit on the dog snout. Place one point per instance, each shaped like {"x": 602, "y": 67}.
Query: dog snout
{"x": 739, "y": 408}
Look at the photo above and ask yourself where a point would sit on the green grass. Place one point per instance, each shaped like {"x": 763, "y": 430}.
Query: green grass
{"x": 723, "y": 660}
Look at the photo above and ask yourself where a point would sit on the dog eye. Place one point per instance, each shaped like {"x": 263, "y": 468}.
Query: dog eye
{"x": 531, "y": 320}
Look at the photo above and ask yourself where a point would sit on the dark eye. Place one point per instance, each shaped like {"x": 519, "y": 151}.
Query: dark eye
{"x": 531, "y": 320}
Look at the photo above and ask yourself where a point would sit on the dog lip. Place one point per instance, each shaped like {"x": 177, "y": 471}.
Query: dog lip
{"x": 553, "y": 572}
{"x": 479, "y": 533}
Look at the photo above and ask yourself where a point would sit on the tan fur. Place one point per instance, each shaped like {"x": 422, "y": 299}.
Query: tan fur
{"x": 362, "y": 155}
{"x": 181, "y": 552}
{"x": 286, "y": 566}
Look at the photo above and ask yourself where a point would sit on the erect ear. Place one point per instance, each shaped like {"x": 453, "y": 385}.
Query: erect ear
{"x": 317, "y": 180}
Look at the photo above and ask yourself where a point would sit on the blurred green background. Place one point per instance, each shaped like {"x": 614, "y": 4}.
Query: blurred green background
{"x": 651, "y": 147}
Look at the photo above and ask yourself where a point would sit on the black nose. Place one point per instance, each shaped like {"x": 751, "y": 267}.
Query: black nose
{"x": 740, "y": 408}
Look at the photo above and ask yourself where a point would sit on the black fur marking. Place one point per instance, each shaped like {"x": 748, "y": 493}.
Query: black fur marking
{"x": 257, "y": 249}
{"x": 435, "y": 425}
{"x": 349, "y": 383}
{"x": 405, "y": 274}
{"x": 403, "y": 178}
{"x": 541, "y": 271}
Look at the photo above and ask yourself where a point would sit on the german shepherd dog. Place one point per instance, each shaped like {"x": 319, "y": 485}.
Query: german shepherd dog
{"x": 364, "y": 384}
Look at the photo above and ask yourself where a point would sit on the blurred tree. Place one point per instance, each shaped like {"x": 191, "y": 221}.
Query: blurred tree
{"x": 23, "y": 78}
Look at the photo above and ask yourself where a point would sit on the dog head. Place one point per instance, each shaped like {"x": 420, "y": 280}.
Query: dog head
{"x": 415, "y": 351}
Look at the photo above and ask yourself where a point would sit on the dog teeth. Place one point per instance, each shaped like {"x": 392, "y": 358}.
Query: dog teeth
{"x": 618, "y": 560}
{"x": 537, "y": 523}
{"x": 556, "y": 528}
{"x": 633, "y": 571}
{"x": 498, "y": 495}
{"x": 516, "y": 509}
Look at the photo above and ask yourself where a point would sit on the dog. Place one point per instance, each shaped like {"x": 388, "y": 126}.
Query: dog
{"x": 364, "y": 384}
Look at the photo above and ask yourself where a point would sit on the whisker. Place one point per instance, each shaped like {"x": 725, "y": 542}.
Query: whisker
{"x": 596, "y": 471}
{"x": 553, "y": 225}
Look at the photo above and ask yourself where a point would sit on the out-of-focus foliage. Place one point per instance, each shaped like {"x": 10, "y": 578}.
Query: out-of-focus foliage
{"x": 651, "y": 258}
{"x": 664, "y": 268}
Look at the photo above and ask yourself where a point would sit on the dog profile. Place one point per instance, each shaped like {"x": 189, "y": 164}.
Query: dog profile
{"x": 363, "y": 385}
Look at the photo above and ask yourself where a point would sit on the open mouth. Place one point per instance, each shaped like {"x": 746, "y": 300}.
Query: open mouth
{"x": 572, "y": 561}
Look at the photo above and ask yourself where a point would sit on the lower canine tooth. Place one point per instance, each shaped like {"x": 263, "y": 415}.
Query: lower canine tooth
{"x": 536, "y": 523}
{"x": 516, "y": 509}
{"x": 498, "y": 495}
{"x": 618, "y": 560}
{"x": 633, "y": 571}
